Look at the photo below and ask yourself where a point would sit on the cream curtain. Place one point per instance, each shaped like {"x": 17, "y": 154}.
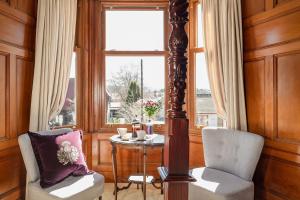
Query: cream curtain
{"x": 222, "y": 24}
{"x": 55, "y": 33}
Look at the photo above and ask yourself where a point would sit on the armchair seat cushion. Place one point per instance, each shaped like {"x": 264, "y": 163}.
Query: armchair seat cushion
{"x": 86, "y": 187}
{"x": 213, "y": 184}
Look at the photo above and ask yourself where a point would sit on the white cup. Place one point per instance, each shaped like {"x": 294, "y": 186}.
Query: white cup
{"x": 141, "y": 134}
{"x": 122, "y": 131}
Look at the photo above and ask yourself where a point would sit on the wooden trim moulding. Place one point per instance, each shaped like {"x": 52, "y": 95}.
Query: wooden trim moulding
{"x": 16, "y": 15}
{"x": 272, "y": 50}
{"x": 276, "y": 12}
{"x": 21, "y": 52}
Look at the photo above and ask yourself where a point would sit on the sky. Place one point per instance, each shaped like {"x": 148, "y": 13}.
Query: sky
{"x": 134, "y": 30}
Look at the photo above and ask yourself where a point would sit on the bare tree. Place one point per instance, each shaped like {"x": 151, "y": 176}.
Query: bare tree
{"x": 123, "y": 88}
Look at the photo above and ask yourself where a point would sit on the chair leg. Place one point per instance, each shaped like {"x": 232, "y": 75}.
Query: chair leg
{"x": 100, "y": 198}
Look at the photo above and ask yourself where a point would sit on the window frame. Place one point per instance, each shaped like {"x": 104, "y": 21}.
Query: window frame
{"x": 193, "y": 50}
{"x": 104, "y": 126}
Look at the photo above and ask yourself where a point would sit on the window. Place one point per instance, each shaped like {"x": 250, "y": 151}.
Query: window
{"x": 134, "y": 60}
{"x": 67, "y": 115}
{"x": 205, "y": 110}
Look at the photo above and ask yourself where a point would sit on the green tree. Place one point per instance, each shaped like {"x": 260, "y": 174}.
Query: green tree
{"x": 133, "y": 94}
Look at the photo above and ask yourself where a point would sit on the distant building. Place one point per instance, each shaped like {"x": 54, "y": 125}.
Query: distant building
{"x": 206, "y": 113}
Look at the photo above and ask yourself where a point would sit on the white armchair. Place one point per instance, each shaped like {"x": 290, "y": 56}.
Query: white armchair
{"x": 230, "y": 158}
{"x": 86, "y": 187}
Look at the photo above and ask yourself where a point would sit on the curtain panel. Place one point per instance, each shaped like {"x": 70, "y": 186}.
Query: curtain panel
{"x": 222, "y": 25}
{"x": 55, "y": 35}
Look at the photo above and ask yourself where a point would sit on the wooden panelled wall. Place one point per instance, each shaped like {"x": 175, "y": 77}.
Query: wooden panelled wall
{"x": 17, "y": 35}
{"x": 272, "y": 52}
{"x": 272, "y": 71}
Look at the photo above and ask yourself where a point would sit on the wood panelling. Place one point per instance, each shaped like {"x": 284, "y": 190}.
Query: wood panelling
{"x": 27, "y": 6}
{"x": 129, "y": 160}
{"x": 17, "y": 34}
{"x": 24, "y": 72}
{"x": 4, "y": 1}
{"x": 252, "y": 7}
{"x": 279, "y": 2}
{"x": 87, "y": 148}
{"x": 279, "y": 30}
{"x": 12, "y": 171}
{"x": 271, "y": 68}
{"x": 196, "y": 151}
{"x": 288, "y": 96}
{"x": 3, "y": 69}
{"x": 270, "y": 175}
{"x": 255, "y": 92}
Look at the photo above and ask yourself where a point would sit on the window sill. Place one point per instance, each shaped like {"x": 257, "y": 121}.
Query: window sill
{"x": 65, "y": 126}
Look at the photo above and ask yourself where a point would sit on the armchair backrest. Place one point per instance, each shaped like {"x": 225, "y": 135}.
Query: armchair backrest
{"x": 232, "y": 151}
{"x": 33, "y": 173}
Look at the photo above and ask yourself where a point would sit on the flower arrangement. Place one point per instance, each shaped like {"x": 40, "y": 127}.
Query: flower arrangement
{"x": 151, "y": 108}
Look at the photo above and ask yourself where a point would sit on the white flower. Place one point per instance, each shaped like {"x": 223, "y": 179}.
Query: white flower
{"x": 67, "y": 153}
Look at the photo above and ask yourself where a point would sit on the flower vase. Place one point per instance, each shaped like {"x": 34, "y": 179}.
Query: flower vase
{"x": 149, "y": 127}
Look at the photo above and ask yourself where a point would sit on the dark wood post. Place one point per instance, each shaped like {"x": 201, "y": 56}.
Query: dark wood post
{"x": 175, "y": 172}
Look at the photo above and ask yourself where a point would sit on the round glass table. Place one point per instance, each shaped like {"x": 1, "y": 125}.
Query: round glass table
{"x": 151, "y": 141}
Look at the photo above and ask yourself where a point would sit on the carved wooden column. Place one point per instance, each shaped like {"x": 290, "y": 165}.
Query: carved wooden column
{"x": 175, "y": 173}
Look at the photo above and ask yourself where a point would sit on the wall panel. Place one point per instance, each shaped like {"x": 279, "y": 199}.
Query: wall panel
{"x": 16, "y": 33}
{"x": 271, "y": 66}
{"x": 25, "y": 70}
{"x": 252, "y": 7}
{"x": 279, "y": 30}
{"x": 255, "y": 92}
{"x": 16, "y": 73}
{"x": 288, "y": 97}
{"x": 4, "y": 1}
{"x": 3, "y": 81}
{"x": 27, "y": 6}
{"x": 196, "y": 151}
{"x": 279, "y": 2}
{"x": 12, "y": 171}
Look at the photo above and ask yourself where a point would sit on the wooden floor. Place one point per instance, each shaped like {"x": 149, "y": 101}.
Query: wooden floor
{"x": 132, "y": 193}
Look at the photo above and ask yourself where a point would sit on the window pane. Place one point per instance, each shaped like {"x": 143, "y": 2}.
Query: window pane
{"x": 200, "y": 42}
{"x": 67, "y": 115}
{"x": 123, "y": 87}
{"x": 134, "y": 30}
{"x": 205, "y": 109}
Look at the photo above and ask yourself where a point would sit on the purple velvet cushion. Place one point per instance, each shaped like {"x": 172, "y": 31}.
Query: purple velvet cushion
{"x": 58, "y": 156}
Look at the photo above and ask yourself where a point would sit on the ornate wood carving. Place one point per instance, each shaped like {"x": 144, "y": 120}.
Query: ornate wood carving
{"x": 175, "y": 172}
{"x": 178, "y": 43}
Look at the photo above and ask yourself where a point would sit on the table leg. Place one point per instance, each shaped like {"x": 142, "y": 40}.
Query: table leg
{"x": 144, "y": 175}
{"x": 162, "y": 164}
{"x": 114, "y": 164}
{"x": 138, "y": 166}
